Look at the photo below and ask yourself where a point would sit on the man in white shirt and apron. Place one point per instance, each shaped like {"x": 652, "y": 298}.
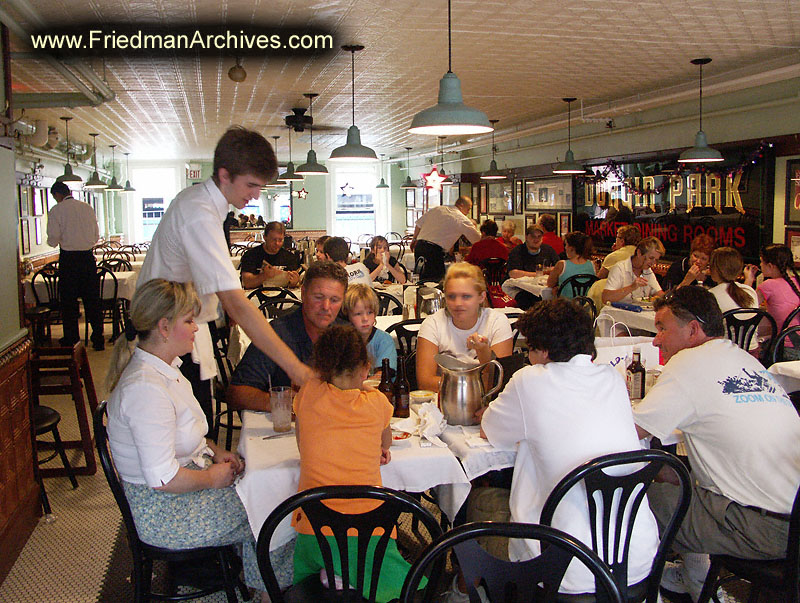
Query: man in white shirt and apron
{"x": 437, "y": 231}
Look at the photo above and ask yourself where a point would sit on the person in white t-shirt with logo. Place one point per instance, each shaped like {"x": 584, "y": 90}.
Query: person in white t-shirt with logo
{"x": 337, "y": 250}
{"x": 464, "y": 328}
{"x": 742, "y": 437}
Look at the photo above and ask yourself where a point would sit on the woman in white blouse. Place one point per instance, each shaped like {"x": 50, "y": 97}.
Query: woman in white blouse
{"x": 464, "y": 328}
{"x": 178, "y": 483}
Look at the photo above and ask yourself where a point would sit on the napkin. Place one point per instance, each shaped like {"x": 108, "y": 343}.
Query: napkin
{"x": 627, "y": 306}
{"x": 427, "y": 422}
{"x": 472, "y": 436}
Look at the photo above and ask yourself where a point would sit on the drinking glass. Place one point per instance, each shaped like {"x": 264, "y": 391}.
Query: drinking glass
{"x": 280, "y": 398}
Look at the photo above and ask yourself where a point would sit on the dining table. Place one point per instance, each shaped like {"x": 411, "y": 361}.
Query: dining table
{"x": 610, "y": 316}
{"x": 787, "y": 374}
{"x": 272, "y": 473}
{"x": 126, "y": 287}
{"x": 537, "y": 285}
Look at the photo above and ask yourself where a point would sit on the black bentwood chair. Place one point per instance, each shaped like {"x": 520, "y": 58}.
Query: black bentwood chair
{"x": 385, "y": 517}
{"x": 779, "y": 575}
{"x": 388, "y": 304}
{"x": 536, "y": 579}
{"x": 579, "y": 283}
{"x": 406, "y": 338}
{"x": 741, "y": 325}
{"x": 144, "y": 554}
{"x": 614, "y": 501}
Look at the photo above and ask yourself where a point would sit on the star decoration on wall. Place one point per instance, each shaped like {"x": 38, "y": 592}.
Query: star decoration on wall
{"x": 433, "y": 179}
{"x": 346, "y": 189}
{"x": 302, "y": 193}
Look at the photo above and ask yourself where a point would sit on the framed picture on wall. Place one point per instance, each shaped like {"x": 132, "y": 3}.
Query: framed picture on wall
{"x": 501, "y": 200}
{"x": 25, "y": 237}
{"x": 39, "y": 201}
{"x": 530, "y": 219}
{"x": 410, "y": 197}
{"x": 792, "y": 193}
{"x": 518, "y": 194}
{"x": 531, "y": 195}
{"x": 793, "y": 243}
{"x": 564, "y": 223}
{"x": 37, "y": 229}
{"x": 24, "y": 201}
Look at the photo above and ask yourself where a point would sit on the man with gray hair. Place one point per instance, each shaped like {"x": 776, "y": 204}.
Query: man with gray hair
{"x": 742, "y": 437}
{"x": 437, "y": 231}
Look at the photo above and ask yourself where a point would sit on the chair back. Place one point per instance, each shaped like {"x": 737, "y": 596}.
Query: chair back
{"x": 280, "y": 306}
{"x": 788, "y": 335}
{"x": 267, "y": 293}
{"x": 614, "y": 502}
{"x": 578, "y": 285}
{"x": 396, "y": 250}
{"x": 238, "y": 249}
{"x": 103, "y": 274}
{"x": 116, "y": 264}
{"x": 741, "y": 325}
{"x": 419, "y": 265}
{"x": 586, "y": 302}
{"x": 794, "y": 314}
{"x": 411, "y": 369}
{"x": 388, "y": 304}
{"x": 219, "y": 338}
{"x": 406, "y": 338}
{"x": 321, "y": 517}
{"x": 494, "y": 271}
{"x": 536, "y": 579}
{"x": 49, "y": 275}
{"x": 118, "y": 254}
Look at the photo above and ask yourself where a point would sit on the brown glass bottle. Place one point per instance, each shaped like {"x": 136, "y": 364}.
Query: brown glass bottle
{"x": 634, "y": 378}
{"x": 385, "y": 385}
{"x": 402, "y": 389}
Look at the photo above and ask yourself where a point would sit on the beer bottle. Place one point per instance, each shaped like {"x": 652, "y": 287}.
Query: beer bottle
{"x": 634, "y": 378}
{"x": 401, "y": 389}
{"x": 385, "y": 385}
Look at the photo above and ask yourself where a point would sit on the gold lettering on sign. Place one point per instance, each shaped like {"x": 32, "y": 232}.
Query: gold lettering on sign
{"x": 630, "y": 196}
{"x": 732, "y": 196}
{"x": 675, "y": 191}
{"x": 649, "y": 183}
{"x": 693, "y": 184}
{"x": 588, "y": 193}
{"x": 714, "y": 192}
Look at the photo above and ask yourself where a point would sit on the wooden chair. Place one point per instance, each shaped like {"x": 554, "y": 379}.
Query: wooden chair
{"x": 277, "y": 307}
{"x": 110, "y": 305}
{"x": 116, "y": 264}
{"x": 46, "y": 420}
{"x": 266, "y": 293}
{"x": 578, "y": 284}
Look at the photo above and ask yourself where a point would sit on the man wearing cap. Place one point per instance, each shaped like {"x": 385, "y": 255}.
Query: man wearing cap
{"x": 527, "y": 259}
{"x": 437, "y": 231}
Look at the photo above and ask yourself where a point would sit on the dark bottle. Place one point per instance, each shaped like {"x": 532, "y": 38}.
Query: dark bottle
{"x": 385, "y": 385}
{"x": 634, "y": 378}
{"x": 401, "y": 389}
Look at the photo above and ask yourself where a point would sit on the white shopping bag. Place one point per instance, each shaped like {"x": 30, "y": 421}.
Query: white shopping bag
{"x": 618, "y": 351}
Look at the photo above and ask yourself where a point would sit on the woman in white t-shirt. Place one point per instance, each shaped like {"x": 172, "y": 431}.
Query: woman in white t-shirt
{"x": 464, "y": 328}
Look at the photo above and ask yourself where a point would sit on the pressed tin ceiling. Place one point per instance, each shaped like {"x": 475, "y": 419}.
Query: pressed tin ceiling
{"x": 515, "y": 59}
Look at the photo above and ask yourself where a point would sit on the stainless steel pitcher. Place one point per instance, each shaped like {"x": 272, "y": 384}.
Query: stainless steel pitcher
{"x": 429, "y": 301}
{"x": 461, "y": 391}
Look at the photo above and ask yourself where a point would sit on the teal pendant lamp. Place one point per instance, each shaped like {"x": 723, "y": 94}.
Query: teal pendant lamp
{"x": 700, "y": 152}
{"x": 382, "y": 183}
{"x": 311, "y": 167}
{"x": 408, "y": 184}
{"x": 448, "y": 181}
{"x": 493, "y": 173}
{"x": 290, "y": 175}
{"x": 94, "y": 181}
{"x": 68, "y": 175}
{"x": 128, "y": 188}
{"x": 569, "y": 166}
{"x": 450, "y": 116}
{"x": 353, "y": 150}
{"x": 114, "y": 187}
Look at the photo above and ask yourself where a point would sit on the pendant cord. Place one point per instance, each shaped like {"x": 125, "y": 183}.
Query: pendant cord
{"x": 449, "y": 41}
{"x": 353, "y": 80}
{"x": 701, "y": 97}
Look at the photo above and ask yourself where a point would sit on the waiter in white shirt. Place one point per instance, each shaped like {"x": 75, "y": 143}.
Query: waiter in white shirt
{"x": 72, "y": 225}
{"x": 437, "y": 231}
{"x": 189, "y": 245}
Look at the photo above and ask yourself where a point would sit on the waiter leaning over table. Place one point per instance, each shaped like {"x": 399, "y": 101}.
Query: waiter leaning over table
{"x": 72, "y": 225}
{"x": 437, "y": 231}
{"x": 189, "y": 245}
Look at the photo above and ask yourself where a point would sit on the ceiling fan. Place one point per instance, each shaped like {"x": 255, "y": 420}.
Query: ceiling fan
{"x": 300, "y": 122}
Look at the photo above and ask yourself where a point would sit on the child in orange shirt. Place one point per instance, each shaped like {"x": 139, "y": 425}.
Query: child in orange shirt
{"x": 343, "y": 435}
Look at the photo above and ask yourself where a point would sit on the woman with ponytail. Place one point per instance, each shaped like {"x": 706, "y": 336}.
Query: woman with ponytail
{"x": 726, "y": 267}
{"x": 179, "y": 484}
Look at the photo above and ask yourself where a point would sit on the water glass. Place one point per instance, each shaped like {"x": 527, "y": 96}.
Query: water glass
{"x": 280, "y": 398}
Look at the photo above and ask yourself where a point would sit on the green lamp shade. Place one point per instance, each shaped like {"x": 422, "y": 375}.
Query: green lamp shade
{"x": 569, "y": 165}
{"x": 311, "y": 167}
{"x": 95, "y": 182}
{"x": 114, "y": 187}
{"x": 68, "y": 176}
{"x": 493, "y": 173}
{"x": 382, "y": 184}
{"x": 128, "y": 188}
{"x": 700, "y": 152}
{"x": 290, "y": 175}
{"x": 408, "y": 183}
{"x": 353, "y": 150}
{"x": 450, "y": 116}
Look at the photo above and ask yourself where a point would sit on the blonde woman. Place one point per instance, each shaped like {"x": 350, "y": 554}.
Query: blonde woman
{"x": 464, "y": 328}
{"x": 635, "y": 275}
{"x": 179, "y": 484}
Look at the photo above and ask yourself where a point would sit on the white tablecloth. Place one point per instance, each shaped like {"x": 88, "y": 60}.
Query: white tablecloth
{"x": 644, "y": 320}
{"x": 532, "y": 284}
{"x": 273, "y": 471}
{"x": 126, "y": 286}
{"x": 476, "y": 460}
{"x": 787, "y": 374}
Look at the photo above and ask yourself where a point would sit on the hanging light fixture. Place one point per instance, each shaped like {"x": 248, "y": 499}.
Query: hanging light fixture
{"x": 94, "y": 181}
{"x": 68, "y": 176}
{"x": 569, "y": 165}
{"x": 114, "y": 186}
{"x": 493, "y": 173}
{"x": 382, "y": 183}
{"x": 276, "y": 181}
{"x": 408, "y": 183}
{"x": 128, "y": 188}
{"x": 237, "y": 72}
{"x": 353, "y": 150}
{"x": 311, "y": 167}
{"x": 700, "y": 152}
{"x": 290, "y": 175}
{"x": 450, "y": 116}
{"x": 448, "y": 181}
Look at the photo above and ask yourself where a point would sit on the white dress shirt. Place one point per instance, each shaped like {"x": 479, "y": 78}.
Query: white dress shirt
{"x": 444, "y": 225}
{"x": 72, "y": 224}
{"x": 155, "y": 424}
{"x": 621, "y": 275}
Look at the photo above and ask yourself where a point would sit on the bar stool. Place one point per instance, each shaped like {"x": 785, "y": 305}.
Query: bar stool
{"x": 65, "y": 370}
{"x": 45, "y": 420}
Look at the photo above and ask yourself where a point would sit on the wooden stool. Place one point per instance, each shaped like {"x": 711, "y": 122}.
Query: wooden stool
{"x": 45, "y": 420}
{"x": 39, "y": 317}
{"x": 65, "y": 370}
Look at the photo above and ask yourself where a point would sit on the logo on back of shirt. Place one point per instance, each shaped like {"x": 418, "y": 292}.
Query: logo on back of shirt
{"x": 756, "y": 386}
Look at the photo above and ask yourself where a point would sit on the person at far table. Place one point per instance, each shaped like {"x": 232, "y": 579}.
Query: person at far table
{"x": 693, "y": 269}
{"x": 319, "y": 246}
{"x": 548, "y": 224}
{"x": 230, "y": 222}
{"x": 528, "y": 260}
{"x": 507, "y": 230}
{"x": 337, "y": 250}
{"x": 322, "y": 293}
{"x": 382, "y": 266}
{"x": 742, "y": 437}
{"x": 578, "y": 248}
{"x": 437, "y": 231}
{"x": 465, "y": 328}
{"x": 270, "y": 263}
{"x": 562, "y": 411}
{"x": 726, "y": 267}
{"x": 488, "y": 247}
{"x": 624, "y": 246}
{"x": 360, "y": 308}
{"x": 635, "y": 274}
